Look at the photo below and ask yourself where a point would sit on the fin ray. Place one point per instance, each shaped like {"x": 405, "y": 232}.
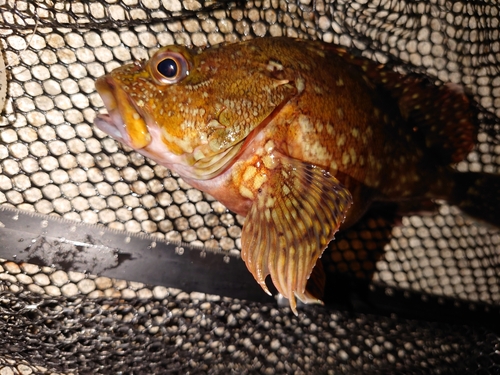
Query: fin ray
{"x": 290, "y": 223}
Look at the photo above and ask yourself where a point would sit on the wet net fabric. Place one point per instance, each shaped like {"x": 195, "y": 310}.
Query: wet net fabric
{"x": 435, "y": 278}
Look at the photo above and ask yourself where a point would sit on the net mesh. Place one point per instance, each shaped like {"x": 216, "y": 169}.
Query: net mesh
{"x": 440, "y": 266}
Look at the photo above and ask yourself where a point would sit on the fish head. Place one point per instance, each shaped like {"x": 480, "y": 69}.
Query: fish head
{"x": 192, "y": 111}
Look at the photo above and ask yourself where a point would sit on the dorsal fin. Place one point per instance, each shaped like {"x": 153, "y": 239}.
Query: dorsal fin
{"x": 444, "y": 116}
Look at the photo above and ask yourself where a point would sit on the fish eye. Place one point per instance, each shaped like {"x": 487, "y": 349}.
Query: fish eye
{"x": 168, "y": 67}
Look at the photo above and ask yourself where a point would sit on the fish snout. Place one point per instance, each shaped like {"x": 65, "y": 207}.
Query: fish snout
{"x": 123, "y": 122}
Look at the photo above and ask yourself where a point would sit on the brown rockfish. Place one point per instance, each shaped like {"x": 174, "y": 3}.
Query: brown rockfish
{"x": 299, "y": 137}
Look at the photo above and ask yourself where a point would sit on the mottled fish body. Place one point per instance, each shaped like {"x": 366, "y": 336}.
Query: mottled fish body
{"x": 298, "y": 136}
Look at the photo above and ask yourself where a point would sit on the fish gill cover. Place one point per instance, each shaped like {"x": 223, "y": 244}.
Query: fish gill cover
{"x": 53, "y": 161}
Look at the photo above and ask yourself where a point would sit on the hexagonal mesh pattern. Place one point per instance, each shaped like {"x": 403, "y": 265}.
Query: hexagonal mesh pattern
{"x": 53, "y": 161}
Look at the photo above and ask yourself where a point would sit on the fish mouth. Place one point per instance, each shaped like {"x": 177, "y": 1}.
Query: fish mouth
{"x": 124, "y": 120}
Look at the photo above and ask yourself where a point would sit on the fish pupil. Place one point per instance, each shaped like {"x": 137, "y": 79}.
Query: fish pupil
{"x": 168, "y": 68}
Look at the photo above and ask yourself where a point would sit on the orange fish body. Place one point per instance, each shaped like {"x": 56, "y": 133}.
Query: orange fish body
{"x": 295, "y": 135}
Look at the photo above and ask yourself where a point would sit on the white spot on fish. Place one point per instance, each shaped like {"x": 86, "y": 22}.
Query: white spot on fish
{"x": 345, "y": 158}
{"x": 319, "y": 126}
{"x": 317, "y": 150}
{"x": 305, "y": 124}
{"x": 353, "y": 155}
{"x": 258, "y": 180}
{"x": 333, "y": 166}
{"x": 246, "y": 192}
{"x": 286, "y": 190}
{"x": 269, "y": 146}
{"x": 273, "y": 65}
{"x": 318, "y": 90}
{"x": 300, "y": 84}
{"x": 341, "y": 140}
{"x": 329, "y": 129}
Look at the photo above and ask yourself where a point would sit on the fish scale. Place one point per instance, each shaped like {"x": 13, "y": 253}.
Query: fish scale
{"x": 299, "y": 136}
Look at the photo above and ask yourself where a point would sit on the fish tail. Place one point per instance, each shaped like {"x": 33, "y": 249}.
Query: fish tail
{"x": 478, "y": 195}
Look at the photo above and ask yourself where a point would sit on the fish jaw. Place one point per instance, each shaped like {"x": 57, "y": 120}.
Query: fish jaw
{"x": 127, "y": 123}
{"x": 124, "y": 121}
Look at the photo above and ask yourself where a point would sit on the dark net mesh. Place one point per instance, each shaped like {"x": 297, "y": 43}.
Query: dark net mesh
{"x": 406, "y": 294}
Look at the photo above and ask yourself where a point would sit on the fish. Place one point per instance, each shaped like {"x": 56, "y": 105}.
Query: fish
{"x": 300, "y": 137}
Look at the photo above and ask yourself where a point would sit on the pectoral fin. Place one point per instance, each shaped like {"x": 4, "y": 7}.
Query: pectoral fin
{"x": 294, "y": 217}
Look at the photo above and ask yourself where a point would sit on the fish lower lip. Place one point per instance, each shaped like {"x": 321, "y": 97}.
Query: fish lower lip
{"x": 105, "y": 123}
{"x": 125, "y": 121}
